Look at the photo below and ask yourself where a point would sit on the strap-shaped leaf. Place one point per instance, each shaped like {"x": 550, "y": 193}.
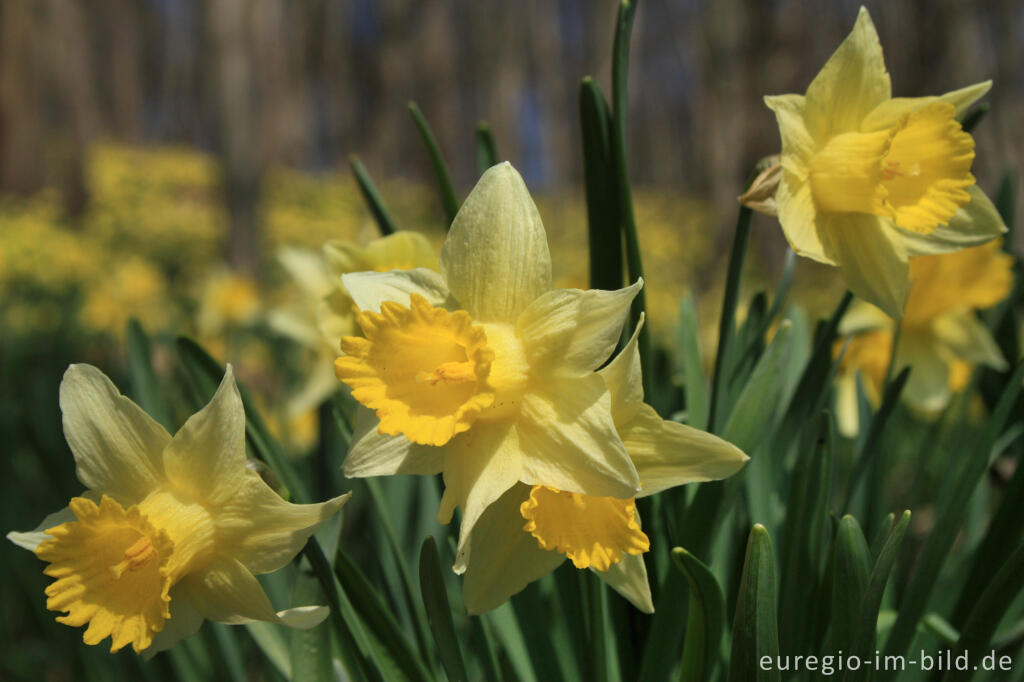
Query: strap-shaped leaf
{"x": 439, "y": 614}
{"x": 705, "y": 623}
{"x": 755, "y": 632}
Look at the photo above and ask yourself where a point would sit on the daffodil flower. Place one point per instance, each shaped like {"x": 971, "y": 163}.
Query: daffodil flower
{"x": 940, "y": 337}
{"x": 483, "y": 372}
{"x": 170, "y": 530}
{"x": 529, "y": 531}
{"x": 869, "y": 180}
{"x": 326, "y": 312}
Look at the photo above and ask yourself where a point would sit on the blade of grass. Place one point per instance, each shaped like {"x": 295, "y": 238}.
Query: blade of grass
{"x": 603, "y": 229}
{"x": 439, "y": 614}
{"x": 449, "y": 201}
{"x": 955, "y": 495}
{"x": 385, "y": 222}
{"x": 486, "y": 150}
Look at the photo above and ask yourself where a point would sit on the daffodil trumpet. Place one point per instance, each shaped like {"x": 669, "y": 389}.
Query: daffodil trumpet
{"x": 170, "y": 530}
{"x": 483, "y": 372}
{"x": 869, "y": 180}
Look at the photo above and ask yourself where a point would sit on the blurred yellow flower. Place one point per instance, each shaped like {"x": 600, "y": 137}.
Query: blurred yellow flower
{"x": 499, "y": 391}
{"x": 170, "y": 530}
{"x": 870, "y": 180}
{"x": 600, "y": 533}
{"x": 941, "y": 339}
{"x": 133, "y": 288}
{"x": 227, "y": 300}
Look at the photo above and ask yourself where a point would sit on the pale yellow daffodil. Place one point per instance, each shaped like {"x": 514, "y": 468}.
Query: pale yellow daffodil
{"x": 530, "y": 531}
{"x": 170, "y": 530}
{"x": 326, "y": 312}
{"x": 869, "y": 180}
{"x": 940, "y": 338}
{"x": 484, "y": 372}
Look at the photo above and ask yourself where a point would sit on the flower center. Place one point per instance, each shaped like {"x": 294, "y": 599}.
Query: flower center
{"x": 111, "y": 572}
{"x": 592, "y": 531}
{"x": 424, "y": 370}
{"x": 915, "y": 173}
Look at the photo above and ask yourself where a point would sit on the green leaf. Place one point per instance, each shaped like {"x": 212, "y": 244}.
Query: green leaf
{"x": 765, "y": 323}
{"x": 385, "y": 223}
{"x": 439, "y": 614}
{"x": 486, "y": 150}
{"x": 755, "y": 628}
{"x": 694, "y": 381}
{"x": 310, "y": 650}
{"x": 376, "y": 614}
{"x": 623, "y": 194}
{"x": 955, "y": 495}
{"x": 603, "y": 228}
{"x": 756, "y": 406}
{"x": 449, "y": 201}
{"x": 987, "y": 613}
{"x": 864, "y": 637}
{"x": 851, "y": 570}
{"x": 973, "y": 117}
{"x": 705, "y": 622}
{"x": 272, "y": 643}
{"x": 145, "y": 387}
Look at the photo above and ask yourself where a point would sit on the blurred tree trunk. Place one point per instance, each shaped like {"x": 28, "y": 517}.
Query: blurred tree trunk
{"x": 21, "y": 125}
{"x": 228, "y": 31}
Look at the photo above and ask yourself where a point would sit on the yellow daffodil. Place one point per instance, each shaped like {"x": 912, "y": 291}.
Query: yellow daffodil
{"x": 227, "y": 300}
{"x": 484, "y": 372}
{"x": 869, "y": 180}
{"x": 170, "y": 530}
{"x": 326, "y": 312}
{"x": 530, "y": 530}
{"x": 940, "y": 338}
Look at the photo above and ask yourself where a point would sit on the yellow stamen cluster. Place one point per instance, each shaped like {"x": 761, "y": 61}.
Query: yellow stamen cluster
{"x": 592, "y": 531}
{"x": 423, "y": 369}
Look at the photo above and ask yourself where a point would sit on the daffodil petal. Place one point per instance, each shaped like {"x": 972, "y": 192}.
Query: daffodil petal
{"x": 184, "y": 622}
{"x": 207, "y": 457}
{"x": 569, "y": 441}
{"x": 623, "y": 377}
{"x": 496, "y": 259}
{"x": 227, "y": 592}
{"x": 342, "y": 257}
{"x": 850, "y": 85}
{"x": 505, "y": 557}
{"x": 479, "y": 466}
{"x": 370, "y": 289}
{"x": 667, "y": 454}
{"x": 307, "y": 269}
{"x": 31, "y": 539}
{"x": 796, "y": 138}
{"x": 888, "y": 113}
{"x": 847, "y": 409}
{"x": 377, "y": 454}
{"x": 629, "y": 578}
{"x": 969, "y": 340}
{"x": 402, "y": 250}
{"x": 320, "y": 384}
{"x": 262, "y": 530}
{"x": 574, "y": 329}
{"x": 861, "y": 317}
{"x": 974, "y": 224}
{"x": 799, "y": 218}
{"x": 927, "y": 388}
{"x": 295, "y": 326}
{"x": 303, "y": 617}
{"x": 871, "y": 256}
{"x": 116, "y": 445}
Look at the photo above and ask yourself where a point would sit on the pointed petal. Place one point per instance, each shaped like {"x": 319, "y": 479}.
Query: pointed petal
{"x": 184, "y": 622}
{"x": 789, "y": 114}
{"x": 303, "y": 617}
{"x": 342, "y": 257}
{"x": 569, "y": 441}
{"x": 862, "y": 317}
{"x": 927, "y": 388}
{"x": 629, "y": 578}
{"x": 496, "y": 259}
{"x": 116, "y": 445}
{"x": 31, "y": 539}
{"x": 850, "y": 85}
{"x": 969, "y": 340}
{"x": 888, "y": 113}
{"x": 574, "y": 330}
{"x": 847, "y": 409}
{"x": 263, "y": 531}
{"x": 799, "y": 218}
{"x": 403, "y": 250}
{"x": 207, "y": 455}
{"x": 976, "y": 223}
{"x": 370, "y": 289}
{"x": 624, "y": 379}
{"x": 505, "y": 557}
{"x": 375, "y": 454}
{"x": 308, "y": 270}
{"x": 872, "y": 257}
{"x": 667, "y": 454}
{"x": 479, "y": 466}
{"x": 227, "y": 592}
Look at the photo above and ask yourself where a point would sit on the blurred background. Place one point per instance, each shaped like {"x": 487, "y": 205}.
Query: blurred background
{"x": 156, "y": 155}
